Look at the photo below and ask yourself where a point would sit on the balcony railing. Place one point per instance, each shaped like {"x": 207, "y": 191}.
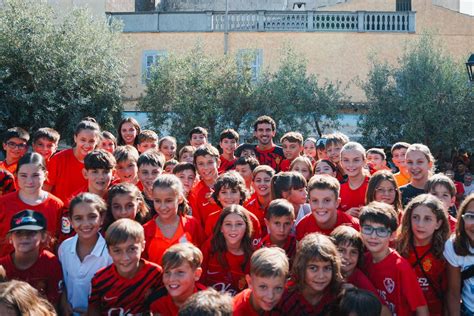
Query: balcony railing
{"x": 268, "y": 21}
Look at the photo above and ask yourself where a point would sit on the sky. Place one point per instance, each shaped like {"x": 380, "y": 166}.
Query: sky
{"x": 467, "y": 6}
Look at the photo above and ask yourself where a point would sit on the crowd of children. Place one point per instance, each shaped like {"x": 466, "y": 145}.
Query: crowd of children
{"x": 129, "y": 225}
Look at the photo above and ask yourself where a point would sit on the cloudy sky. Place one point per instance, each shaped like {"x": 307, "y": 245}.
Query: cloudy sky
{"x": 467, "y": 6}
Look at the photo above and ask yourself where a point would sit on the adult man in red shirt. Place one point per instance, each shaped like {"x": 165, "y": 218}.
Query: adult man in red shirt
{"x": 267, "y": 152}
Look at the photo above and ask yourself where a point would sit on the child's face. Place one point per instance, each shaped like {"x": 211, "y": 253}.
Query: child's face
{"x": 442, "y": 193}
{"x": 147, "y": 174}
{"x": 398, "y": 157}
{"x": 323, "y": 168}
{"x": 98, "y": 180}
{"x": 385, "y": 192}
{"x": 180, "y": 280}
{"x": 107, "y": 145}
{"x": 187, "y": 156}
{"x": 168, "y": 149}
{"x": 264, "y": 133}
{"x": 352, "y": 161}
{"x": 417, "y": 164}
{"x": 302, "y": 168}
{"x": 324, "y": 205}
{"x": 27, "y": 241}
{"x": 187, "y": 177}
{"x": 128, "y": 132}
{"x": 228, "y": 196}
{"x": 228, "y": 146}
{"x": 266, "y": 291}
{"x": 248, "y": 153}
{"x": 322, "y": 153}
{"x": 198, "y": 140}
{"x": 233, "y": 229}
{"x": 85, "y": 141}
{"x": 206, "y": 167}
{"x": 468, "y": 223}
{"x": 126, "y": 257}
{"x": 279, "y": 228}
{"x": 309, "y": 149}
{"x": 127, "y": 171}
{"x": 376, "y": 161}
{"x": 86, "y": 221}
{"x": 291, "y": 150}
{"x": 349, "y": 257}
{"x": 334, "y": 152}
{"x": 318, "y": 276}
{"x": 261, "y": 183}
{"x": 374, "y": 243}
{"x": 245, "y": 171}
{"x": 424, "y": 224}
{"x": 148, "y": 144}
{"x": 124, "y": 206}
{"x": 169, "y": 168}
{"x": 165, "y": 202}
{"x": 31, "y": 178}
{"x": 45, "y": 147}
{"x": 15, "y": 148}
{"x": 297, "y": 196}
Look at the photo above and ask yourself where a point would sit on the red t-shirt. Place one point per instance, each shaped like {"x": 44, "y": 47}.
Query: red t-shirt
{"x": 214, "y": 217}
{"x": 242, "y": 305}
{"x": 201, "y": 202}
{"x": 353, "y": 198}
{"x": 65, "y": 174}
{"x": 285, "y": 165}
{"x": 294, "y": 303}
{"x": 226, "y": 165}
{"x": 113, "y": 294}
{"x": 7, "y": 182}
{"x": 188, "y": 230}
{"x": 309, "y": 225}
{"x": 230, "y": 278}
{"x": 10, "y": 204}
{"x": 396, "y": 282}
{"x": 271, "y": 157}
{"x": 361, "y": 281}
{"x": 433, "y": 281}
{"x": 254, "y": 207}
{"x": 163, "y": 303}
{"x": 45, "y": 274}
{"x": 289, "y": 246}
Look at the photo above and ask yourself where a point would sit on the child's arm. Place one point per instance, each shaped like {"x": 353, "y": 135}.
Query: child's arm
{"x": 385, "y": 311}
{"x": 93, "y": 310}
{"x": 453, "y": 294}
{"x": 422, "y": 311}
{"x": 354, "y": 211}
{"x": 64, "y": 307}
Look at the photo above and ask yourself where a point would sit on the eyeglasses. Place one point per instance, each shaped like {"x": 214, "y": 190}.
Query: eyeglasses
{"x": 321, "y": 142}
{"x": 384, "y": 191}
{"x": 379, "y": 231}
{"x": 13, "y": 145}
{"x": 468, "y": 217}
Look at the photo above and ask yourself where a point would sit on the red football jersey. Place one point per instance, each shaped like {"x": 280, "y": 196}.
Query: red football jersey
{"x": 271, "y": 157}
{"x": 353, "y": 198}
{"x": 361, "y": 281}
{"x": 226, "y": 165}
{"x": 254, "y": 207}
{"x": 309, "y": 225}
{"x": 294, "y": 303}
{"x": 162, "y": 303}
{"x": 7, "y": 182}
{"x": 242, "y": 305}
{"x": 201, "y": 202}
{"x": 289, "y": 247}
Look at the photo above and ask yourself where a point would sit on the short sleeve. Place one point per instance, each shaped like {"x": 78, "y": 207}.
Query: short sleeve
{"x": 414, "y": 294}
{"x": 451, "y": 257}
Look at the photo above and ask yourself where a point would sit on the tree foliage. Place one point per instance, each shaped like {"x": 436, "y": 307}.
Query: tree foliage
{"x": 218, "y": 93}
{"x": 423, "y": 99}
{"x": 55, "y": 71}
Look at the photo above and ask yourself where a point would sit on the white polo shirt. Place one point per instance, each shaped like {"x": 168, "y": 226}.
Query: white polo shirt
{"x": 77, "y": 275}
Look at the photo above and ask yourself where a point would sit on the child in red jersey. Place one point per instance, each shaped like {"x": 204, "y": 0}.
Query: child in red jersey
{"x": 30, "y": 196}
{"x": 228, "y": 141}
{"x": 424, "y": 230}
{"x": 124, "y": 287}
{"x": 227, "y": 254}
{"x": 268, "y": 272}
{"x": 354, "y": 189}
{"x": 325, "y": 167}
{"x": 29, "y": 262}
{"x": 126, "y": 201}
{"x": 399, "y": 151}
{"x": 65, "y": 176}
{"x": 292, "y": 144}
{"x": 171, "y": 225}
{"x": 444, "y": 189}
{"x": 150, "y": 166}
{"x": 126, "y": 169}
{"x": 198, "y": 136}
{"x": 291, "y": 186}
{"x": 302, "y": 165}
{"x": 206, "y": 160}
{"x": 382, "y": 187}
{"x": 128, "y": 131}
{"x": 230, "y": 189}
{"x": 167, "y": 146}
{"x": 315, "y": 279}
{"x": 245, "y": 167}
{"x": 261, "y": 198}
{"x": 333, "y": 144}
{"x": 186, "y": 154}
{"x": 279, "y": 220}
{"x": 181, "y": 271}
{"x": 45, "y": 142}
{"x": 390, "y": 273}
{"x": 186, "y": 173}
{"x": 107, "y": 142}
{"x": 7, "y": 182}
{"x": 15, "y": 145}
{"x": 377, "y": 160}
{"x": 324, "y": 200}
{"x": 147, "y": 139}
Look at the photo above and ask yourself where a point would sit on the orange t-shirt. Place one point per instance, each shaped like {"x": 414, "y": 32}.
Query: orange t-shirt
{"x": 201, "y": 202}
{"x": 401, "y": 179}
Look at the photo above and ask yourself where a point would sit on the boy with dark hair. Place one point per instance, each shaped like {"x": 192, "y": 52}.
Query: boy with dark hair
{"x": 292, "y": 144}
{"x": 376, "y": 159}
{"x": 334, "y": 144}
{"x": 45, "y": 142}
{"x": 126, "y": 158}
{"x": 245, "y": 167}
{"x": 198, "y": 136}
{"x": 228, "y": 141}
{"x": 246, "y": 150}
{"x": 147, "y": 139}
{"x": 150, "y": 166}
{"x": 267, "y": 152}
{"x": 390, "y": 273}
{"x": 399, "y": 151}
{"x": 186, "y": 172}
{"x": 125, "y": 286}
{"x": 443, "y": 188}
{"x": 169, "y": 165}
{"x": 15, "y": 145}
